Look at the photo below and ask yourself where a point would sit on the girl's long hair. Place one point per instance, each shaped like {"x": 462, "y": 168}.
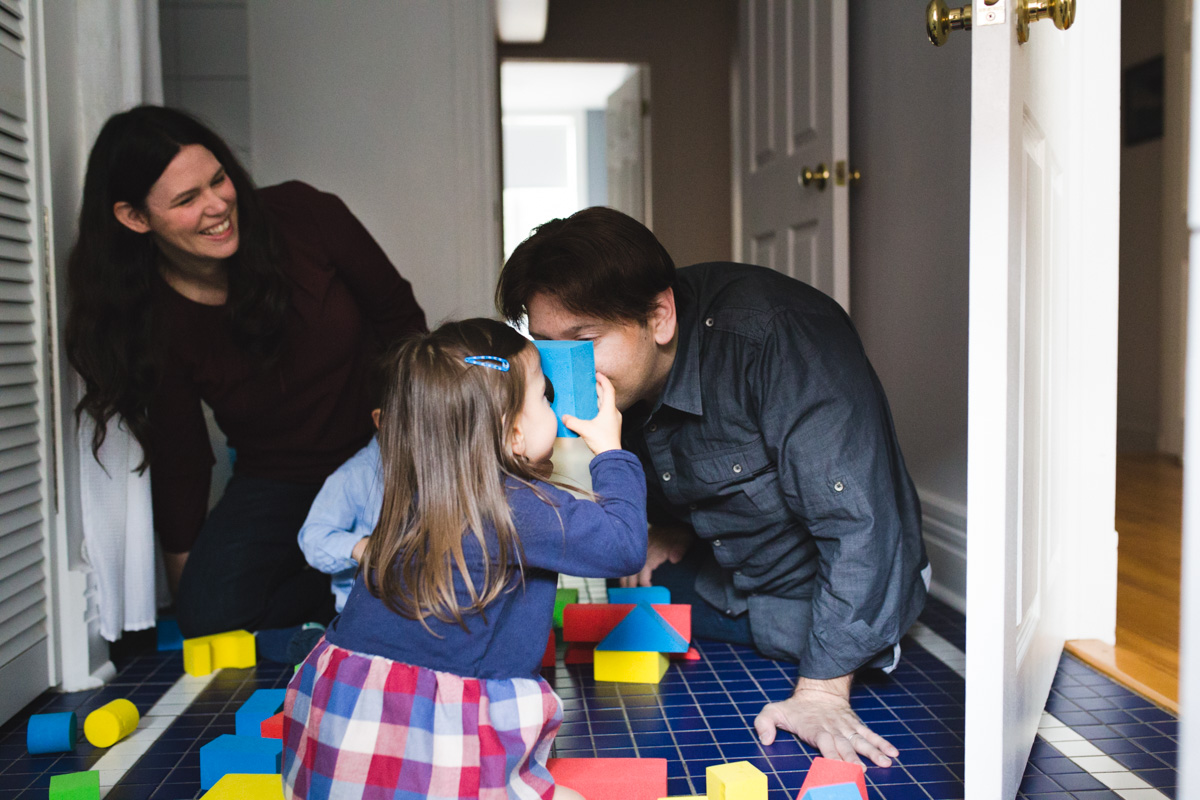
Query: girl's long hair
{"x": 444, "y": 444}
{"x": 113, "y": 336}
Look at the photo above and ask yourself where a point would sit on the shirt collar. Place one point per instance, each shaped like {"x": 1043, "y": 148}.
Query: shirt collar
{"x": 682, "y": 390}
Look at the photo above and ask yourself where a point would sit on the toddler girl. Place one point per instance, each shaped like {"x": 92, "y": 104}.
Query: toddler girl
{"x": 427, "y": 685}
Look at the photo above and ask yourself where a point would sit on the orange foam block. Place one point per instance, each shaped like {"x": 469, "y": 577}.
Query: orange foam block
{"x": 272, "y": 727}
{"x": 612, "y": 778}
{"x": 591, "y": 622}
{"x": 827, "y": 772}
{"x": 548, "y": 655}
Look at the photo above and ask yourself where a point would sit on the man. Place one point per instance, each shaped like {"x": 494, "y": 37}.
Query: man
{"x": 779, "y": 500}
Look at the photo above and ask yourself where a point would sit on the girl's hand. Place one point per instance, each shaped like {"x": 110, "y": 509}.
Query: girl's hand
{"x": 604, "y": 432}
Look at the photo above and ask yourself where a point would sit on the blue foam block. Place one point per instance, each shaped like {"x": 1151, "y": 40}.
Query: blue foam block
{"x": 837, "y": 791}
{"x": 169, "y": 636}
{"x": 242, "y": 755}
{"x": 644, "y": 630}
{"x": 262, "y": 704}
{"x": 52, "y": 733}
{"x": 653, "y": 595}
{"x": 571, "y": 368}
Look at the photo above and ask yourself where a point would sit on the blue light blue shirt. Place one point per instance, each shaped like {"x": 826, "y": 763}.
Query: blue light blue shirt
{"x": 344, "y": 512}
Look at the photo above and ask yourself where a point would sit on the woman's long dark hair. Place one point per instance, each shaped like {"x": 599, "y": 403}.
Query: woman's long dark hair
{"x": 113, "y": 338}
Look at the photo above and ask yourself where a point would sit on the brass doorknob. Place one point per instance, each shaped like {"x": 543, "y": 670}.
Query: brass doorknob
{"x": 1062, "y": 12}
{"x": 940, "y": 20}
{"x": 843, "y": 174}
{"x": 819, "y": 176}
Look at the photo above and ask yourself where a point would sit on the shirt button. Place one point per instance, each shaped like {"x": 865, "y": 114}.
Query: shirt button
{"x": 691, "y": 506}
{"x": 839, "y": 486}
{"x": 737, "y": 468}
{"x": 729, "y": 612}
{"x": 708, "y": 323}
{"x": 716, "y": 542}
{"x": 666, "y": 476}
{"x": 653, "y": 428}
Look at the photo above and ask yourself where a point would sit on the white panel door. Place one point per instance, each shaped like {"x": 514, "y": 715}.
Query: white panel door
{"x": 1042, "y": 368}
{"x": 24, "y": 487}
{"x": 792, "y": 117}
{"x": 625, "y": 122}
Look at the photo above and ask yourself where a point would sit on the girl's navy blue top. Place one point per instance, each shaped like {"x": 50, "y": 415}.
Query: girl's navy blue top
{"x": 602, "y": 539}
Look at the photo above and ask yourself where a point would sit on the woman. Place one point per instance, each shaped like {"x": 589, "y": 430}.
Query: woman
{"x": 270, "y": 305}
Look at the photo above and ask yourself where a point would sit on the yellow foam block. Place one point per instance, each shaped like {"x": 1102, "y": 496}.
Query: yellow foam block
{"x": 740, "y": 780}
{"x": 234, "y": 786}
{"x": 205, "y": 653}
{"x": 625, "y": 667}
{"x": 110, "y": 723}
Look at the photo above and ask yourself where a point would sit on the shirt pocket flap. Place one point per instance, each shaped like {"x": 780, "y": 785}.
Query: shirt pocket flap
{"x": 730, "y": 466}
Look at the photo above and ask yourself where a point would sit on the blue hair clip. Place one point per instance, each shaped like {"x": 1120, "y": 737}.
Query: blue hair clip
{"x": 491, "y": 362}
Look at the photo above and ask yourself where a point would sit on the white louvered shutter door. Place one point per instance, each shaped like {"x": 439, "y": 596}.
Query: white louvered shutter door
{"x": 24, "y": 640}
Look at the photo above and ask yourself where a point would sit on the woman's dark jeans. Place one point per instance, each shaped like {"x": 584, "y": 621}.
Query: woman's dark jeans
{"x": 246, "y": 570}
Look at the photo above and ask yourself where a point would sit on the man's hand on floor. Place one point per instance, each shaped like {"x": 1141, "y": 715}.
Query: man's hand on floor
{"x": 819, "y": 713}
{"x": 667, "y": 543}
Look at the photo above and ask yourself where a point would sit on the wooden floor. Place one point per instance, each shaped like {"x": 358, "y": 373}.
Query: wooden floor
{"x": 1149, "y": 526}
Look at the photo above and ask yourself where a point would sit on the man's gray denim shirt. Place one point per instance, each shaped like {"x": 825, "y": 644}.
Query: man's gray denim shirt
{"x": 774, "y": 441}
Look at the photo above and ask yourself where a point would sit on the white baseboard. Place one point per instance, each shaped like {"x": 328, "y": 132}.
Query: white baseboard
{"x": 944, "y": 524}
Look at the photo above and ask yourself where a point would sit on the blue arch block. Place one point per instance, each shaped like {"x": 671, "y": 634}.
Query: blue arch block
{"x": 261, "y": 705}
{"x": 652, "y": 595}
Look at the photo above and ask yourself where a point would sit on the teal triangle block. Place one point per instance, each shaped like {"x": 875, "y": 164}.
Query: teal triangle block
{"x": 644, "y": 631}
{"x": 654, "y": 595}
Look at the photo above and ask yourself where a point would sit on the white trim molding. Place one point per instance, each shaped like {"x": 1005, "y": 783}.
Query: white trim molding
{"x": 944, "y": 525}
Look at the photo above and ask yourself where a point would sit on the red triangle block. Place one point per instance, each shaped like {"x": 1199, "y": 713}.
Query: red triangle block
{"x": 827, "y": 772}
{"x": 612, "y": 778}
{"x": 272, "y": 727}
{"x": 679, "y": 617}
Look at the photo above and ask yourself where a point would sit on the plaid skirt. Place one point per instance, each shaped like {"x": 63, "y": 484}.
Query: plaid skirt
{"x": 361, "y": 726}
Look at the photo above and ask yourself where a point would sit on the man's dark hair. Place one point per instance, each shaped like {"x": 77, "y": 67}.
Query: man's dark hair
{"x": 597, "y": 262}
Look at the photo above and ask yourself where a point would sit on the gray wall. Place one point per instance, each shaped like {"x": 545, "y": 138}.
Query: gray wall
{"x": 1139, "y": 336}
{"x": 909, "y": 217}
{"x": 393, "y": 107}
{"x": 688, "y": 45}
{"x": 205, "y": 66}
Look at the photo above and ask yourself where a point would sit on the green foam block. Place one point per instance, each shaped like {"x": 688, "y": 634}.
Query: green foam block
{"x": 75, "y": 786}
{"x": 562, "y": 598}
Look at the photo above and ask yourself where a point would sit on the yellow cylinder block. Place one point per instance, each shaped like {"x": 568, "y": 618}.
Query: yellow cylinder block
{"x": 110, "y": 723}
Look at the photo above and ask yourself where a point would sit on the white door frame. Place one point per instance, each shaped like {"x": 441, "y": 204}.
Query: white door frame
{"x": 1189, "y": 628}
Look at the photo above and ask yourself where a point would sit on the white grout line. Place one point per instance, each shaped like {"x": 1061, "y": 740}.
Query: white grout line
{"x": 1061, "y": 736}
{"x": 121, "y": 757}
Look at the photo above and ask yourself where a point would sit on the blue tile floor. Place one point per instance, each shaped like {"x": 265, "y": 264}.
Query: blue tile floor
{"x": 702, "y": 713}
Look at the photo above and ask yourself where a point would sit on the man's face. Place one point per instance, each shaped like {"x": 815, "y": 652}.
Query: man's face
{"x": 625, "y": 351}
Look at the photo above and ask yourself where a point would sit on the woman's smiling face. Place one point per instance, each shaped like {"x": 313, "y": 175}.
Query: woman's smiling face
{"x": 191, "y": 210}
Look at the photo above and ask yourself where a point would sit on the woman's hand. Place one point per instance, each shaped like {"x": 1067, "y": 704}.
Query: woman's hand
{"x": 604, "y": 432}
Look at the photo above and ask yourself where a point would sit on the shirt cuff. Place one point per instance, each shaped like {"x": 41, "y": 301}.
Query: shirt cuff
{"x": 336, "y": 548}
